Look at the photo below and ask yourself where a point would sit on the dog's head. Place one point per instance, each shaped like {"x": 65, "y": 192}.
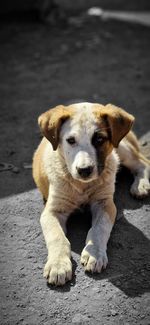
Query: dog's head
{"x": 86, "y": 134}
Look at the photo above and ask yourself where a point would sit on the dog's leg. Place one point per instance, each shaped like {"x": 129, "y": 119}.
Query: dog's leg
{"x": 58, "y": 268}
{"x": 94, "y": 255}
{"x": 139, "y": 166}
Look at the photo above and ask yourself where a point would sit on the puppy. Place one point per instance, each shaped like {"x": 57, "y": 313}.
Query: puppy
{"x": 76, "y": 163}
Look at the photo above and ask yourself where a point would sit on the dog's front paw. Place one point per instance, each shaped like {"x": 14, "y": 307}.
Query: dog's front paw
{"x": 140, "y": 188}
{"x": 94, "y": 260}
{"x": 58, "y": 272}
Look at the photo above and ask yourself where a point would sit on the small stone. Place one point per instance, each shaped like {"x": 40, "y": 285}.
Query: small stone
{"x": 79, "y": 318}
{"x": 103, "y": 284}
{"x": 22, "y": 268}
{"x": 114, "y": 312}
{"x": 41, "y": 313}
{"x": 27, "y": 166}
{"x": 144, "y": 143}
{"x": 16, "y": 170}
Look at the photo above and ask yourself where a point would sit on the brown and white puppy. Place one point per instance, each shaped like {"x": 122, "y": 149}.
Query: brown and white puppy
{"x": 76, "y": 163}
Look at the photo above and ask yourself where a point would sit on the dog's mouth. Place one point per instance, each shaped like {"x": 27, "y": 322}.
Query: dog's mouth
{"x": 87, "y": 179}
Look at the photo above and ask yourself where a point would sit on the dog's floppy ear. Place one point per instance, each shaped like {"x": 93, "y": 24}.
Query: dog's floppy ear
{"x": 119, "y": 121}
{"x": 50, "y": 123}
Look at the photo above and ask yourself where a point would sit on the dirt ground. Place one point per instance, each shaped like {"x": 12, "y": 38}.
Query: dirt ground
{"x": 41, "y": 66}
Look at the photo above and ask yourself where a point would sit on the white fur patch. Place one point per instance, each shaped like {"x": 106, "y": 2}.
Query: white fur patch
{"x": 81, "y": 127}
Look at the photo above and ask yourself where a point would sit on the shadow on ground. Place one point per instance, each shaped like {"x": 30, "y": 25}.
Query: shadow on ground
{"x": 128, "y": 248}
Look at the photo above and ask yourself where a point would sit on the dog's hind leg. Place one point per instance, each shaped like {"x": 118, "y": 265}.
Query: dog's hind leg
{"x": 132, "y": 158}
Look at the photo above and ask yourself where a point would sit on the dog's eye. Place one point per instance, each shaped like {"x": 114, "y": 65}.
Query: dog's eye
{"x": 97, "y": 139}
{"x": 71, "y": 141}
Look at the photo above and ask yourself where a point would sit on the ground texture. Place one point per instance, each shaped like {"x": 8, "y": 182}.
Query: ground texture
{"x": 41, "y": 66}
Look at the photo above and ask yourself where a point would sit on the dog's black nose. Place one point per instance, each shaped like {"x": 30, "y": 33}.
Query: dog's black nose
{"x": 85, "y": 172}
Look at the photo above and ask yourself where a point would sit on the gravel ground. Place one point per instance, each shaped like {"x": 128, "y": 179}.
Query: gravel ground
{"x": 42, "y": 66}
